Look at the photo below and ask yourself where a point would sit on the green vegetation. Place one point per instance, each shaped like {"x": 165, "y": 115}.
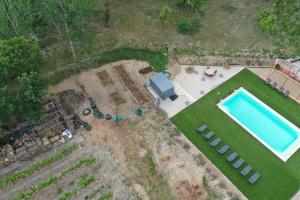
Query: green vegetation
{"x": 195, "y": 5}
{"x": 86, "y": 181}
{"x": 266, "y": 20}
{"x": 106, "y": 196}
{"x": 53, "y": 179}
{"x": 18, "y": 55}
{"x": 165, "y": 14}
{"x": 283, "y": 22}
{"x": 186, "y": 26}
{"x": 280, "y": 180}
{"x": 66, "y": 21}
{"x": 106, "y": 15}
{"x": 158, "y": 60}
{"x": 21, "y": 89}
{"x": 36, "y": 167}
{"x": 67, "y": 195}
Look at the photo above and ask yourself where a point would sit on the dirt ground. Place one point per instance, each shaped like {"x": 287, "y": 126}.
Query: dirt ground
{"x": 138, "y": 158}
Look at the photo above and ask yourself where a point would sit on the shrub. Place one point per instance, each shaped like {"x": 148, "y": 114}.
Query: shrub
{"x": 277, "y": 66}
{"x": 266, "y": 20}
{"x": 165, "y": 14}
{"x": 190, "y": 4}
{"x": 107, "y": 196}
{"x": 248, "y": 62}
{"x": 86, "y": 181}
{"x": 186, "y": 26}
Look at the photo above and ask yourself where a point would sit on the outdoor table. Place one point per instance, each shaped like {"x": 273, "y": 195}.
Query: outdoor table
{"x": 210, "y": 72}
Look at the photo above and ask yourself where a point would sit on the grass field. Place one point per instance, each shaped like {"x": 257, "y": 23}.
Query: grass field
{"x": 280, "y": 180}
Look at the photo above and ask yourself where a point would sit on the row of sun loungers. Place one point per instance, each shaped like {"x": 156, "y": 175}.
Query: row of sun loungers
{"x": 231, "y": 157}
{"x": 276, "y": 86}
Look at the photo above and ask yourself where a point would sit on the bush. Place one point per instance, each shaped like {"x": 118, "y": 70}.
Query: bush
{"x": 277, "y": 66}
{"x": 186, "y": 26}
{"x": 165, "y": 14}
{"x": 190, "y": 4}
{"x": 266, "y": 20}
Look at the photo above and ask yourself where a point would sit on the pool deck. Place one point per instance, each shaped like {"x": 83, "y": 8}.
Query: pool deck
{"x": 191, "y": 86}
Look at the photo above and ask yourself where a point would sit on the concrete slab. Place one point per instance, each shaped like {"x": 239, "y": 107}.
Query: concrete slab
{"x": 191, "y": 87}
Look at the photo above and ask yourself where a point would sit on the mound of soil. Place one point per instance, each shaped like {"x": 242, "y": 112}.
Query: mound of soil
{"x": 70, "y": 100}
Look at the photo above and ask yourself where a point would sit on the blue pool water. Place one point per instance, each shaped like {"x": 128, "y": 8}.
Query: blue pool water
{"x": 261, "y": 121}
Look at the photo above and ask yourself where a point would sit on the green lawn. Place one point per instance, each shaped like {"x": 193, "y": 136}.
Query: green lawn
{"x": 280, "y": 180}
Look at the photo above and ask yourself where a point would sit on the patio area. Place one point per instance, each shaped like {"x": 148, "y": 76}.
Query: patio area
{"x": 191, "y": 85}
{"x": 286, "y": 83}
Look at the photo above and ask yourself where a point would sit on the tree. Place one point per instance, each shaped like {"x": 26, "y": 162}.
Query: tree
{"x": 106, "y": 15}
{"x": 28, "y": 99}
{"x": 18, "y": 55}
{"x": 14, "y": 20}
{"x": 6, "y": 104}
{"x": 69, "y": 18}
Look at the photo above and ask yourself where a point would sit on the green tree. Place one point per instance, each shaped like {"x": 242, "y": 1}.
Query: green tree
{"x": 14, "y": 20}
{"x": 28, "y": 99}
{"x": 70, "y": 18}
{"x": 6, "y": 105}
{"x": 18, "y": 55}
{"x": 106, "y": 15}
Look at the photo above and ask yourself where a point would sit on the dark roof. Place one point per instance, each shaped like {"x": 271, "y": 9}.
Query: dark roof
{"x": 162, "y": 82}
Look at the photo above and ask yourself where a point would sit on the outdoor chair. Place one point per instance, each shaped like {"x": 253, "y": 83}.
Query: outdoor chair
{"x": 232, "y": 156}
{"x": 202, "y": 128}
{"x": 253, "y": 179}
{"x": 238, "y": 163}
{"x": 209, "y": 135}
{"x": 223, "y": 149}
{"x": 215, "y": 142}
{"x": 246, "y": 170}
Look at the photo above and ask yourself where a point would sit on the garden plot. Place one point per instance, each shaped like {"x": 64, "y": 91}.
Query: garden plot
{"x": 130, "y": 84}
{"x": 117, "y": 98}
{"x": 105, "y": 78}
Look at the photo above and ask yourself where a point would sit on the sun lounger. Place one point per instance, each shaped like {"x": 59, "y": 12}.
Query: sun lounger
{"x": 280, "y": 89}
{"x": 202, "y": 128}
{"x": 232, "y": 156}
{"x": 268, "y": 81}
{"x": 274, "y": 84}
{"x": 223, "y": 149}
{"x": 246, "y": 170}
{"x": 215, "y": 142}
{"x": 209, "y": 135}
{"x": 286, "y": 93}
{"x": 254, "y": 178}
{"x": 238, "y": 163}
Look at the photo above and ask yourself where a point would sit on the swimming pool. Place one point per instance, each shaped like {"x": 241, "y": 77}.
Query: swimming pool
{"x": 266, "y": 125}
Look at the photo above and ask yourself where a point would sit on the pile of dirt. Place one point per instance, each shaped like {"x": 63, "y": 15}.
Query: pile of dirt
{"x": 70, "y": 100}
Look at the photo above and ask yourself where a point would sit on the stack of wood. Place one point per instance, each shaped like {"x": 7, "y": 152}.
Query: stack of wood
{"x": 7, "y": 155}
